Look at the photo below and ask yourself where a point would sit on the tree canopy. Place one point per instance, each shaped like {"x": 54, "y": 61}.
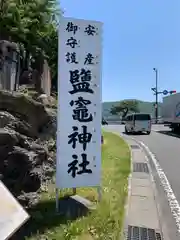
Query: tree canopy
{"x": 125, "y": 106}
{"x": 33, "y": 25}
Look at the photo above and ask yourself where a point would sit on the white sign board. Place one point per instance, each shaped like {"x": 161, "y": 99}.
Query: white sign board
{"x": 79, "y": 104}
{"x": 12, "y": 215}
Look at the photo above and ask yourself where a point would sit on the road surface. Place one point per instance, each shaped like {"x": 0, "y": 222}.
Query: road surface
{"x": 166, "y": 149}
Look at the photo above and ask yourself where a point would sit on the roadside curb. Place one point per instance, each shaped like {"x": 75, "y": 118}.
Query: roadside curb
{"x": 163, "y": 229}
{"x": 152, "y": 182}
{"x": 166, "y": 202}
{"x": 164, "y": 235}
{"x": 126, "y": 207}
{"x": 129, "y": 182}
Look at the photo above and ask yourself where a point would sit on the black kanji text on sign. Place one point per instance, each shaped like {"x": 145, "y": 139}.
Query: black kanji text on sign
{"x": 80, "y": 81}
{"x": 72, "y": 42}
{"x": 71, "y": 57}
{"x": 80, "y": 113}
{"x": 90, "y": 30}
{"x": 74, "y": 167}
{"x": 83, "y": 138}
{"x": 89, "y": 59}
{"x": 71, "y": 27}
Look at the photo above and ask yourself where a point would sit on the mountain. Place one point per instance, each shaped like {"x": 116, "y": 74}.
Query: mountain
{"x": 145, "y": 107}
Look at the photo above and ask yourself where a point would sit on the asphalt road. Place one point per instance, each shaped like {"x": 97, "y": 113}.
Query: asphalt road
{"x": 166, "y": 149}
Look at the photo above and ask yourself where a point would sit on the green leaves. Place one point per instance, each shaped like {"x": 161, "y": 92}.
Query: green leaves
{"x": 32, "y": 23}
{"x": 125, "y": 106}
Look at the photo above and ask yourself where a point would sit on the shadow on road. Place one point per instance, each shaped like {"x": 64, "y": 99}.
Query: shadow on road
{"x": 134, "y": 134}
{"x": 114, "y": 123}
{"x": 169, "y": 133}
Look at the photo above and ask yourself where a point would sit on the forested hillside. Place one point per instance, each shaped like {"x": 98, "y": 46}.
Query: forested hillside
{"x": 146, "y": 107}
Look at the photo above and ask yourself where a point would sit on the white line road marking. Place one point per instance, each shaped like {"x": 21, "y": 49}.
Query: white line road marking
{"x": 173, "y": 203}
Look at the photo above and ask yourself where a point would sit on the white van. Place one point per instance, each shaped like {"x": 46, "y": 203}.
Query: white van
{"x": 138, "y": 122}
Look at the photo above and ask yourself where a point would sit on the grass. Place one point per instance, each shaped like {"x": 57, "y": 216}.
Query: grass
{"x": 106, "y": 220}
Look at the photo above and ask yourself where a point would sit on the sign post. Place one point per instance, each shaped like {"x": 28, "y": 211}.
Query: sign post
{"x": 165, "y": 92}
{"x": 79, "y": 104}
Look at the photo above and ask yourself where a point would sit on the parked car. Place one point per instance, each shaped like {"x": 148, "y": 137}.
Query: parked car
{"x": 138, "y": 122}
{"x": 104, "y": 122}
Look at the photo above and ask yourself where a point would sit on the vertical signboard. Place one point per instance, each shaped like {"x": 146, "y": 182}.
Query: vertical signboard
{"x": 79, "y": 104}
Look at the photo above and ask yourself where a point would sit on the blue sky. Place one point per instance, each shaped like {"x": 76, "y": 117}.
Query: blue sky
{"x": 138, "y": 35}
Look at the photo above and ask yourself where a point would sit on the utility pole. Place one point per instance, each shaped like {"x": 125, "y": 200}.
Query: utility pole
{"x": 156, "y": 94}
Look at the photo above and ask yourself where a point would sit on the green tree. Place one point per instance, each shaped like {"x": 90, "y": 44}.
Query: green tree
{"x": 33, "y": 25}
{"x": 125, "y": 106}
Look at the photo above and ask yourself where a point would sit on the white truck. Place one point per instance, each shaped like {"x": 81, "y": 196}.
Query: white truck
{"x": 171, "y": 111}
